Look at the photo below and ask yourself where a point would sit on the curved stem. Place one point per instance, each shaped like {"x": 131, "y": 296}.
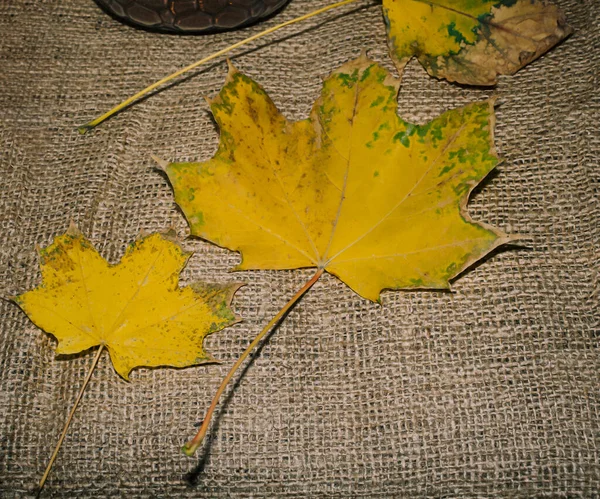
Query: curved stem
{"x": 192, "y": 446}
{"x": 64, "y": 432}
{"x": 88, "y": 126}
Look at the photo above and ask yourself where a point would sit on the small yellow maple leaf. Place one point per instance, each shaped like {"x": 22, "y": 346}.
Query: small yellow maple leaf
{"x": 470, "y": 41}
{"x": 134, "y": 308}
{"x": 354, "y": 189}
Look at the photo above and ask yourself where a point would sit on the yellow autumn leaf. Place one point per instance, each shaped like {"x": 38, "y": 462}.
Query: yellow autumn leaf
{"x": 135, "y": 309}
{"x": 472, "y": 41}
{"x": 354, "y": 189}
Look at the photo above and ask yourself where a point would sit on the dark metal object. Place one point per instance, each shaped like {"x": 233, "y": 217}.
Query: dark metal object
{"x": 191, "y": 16}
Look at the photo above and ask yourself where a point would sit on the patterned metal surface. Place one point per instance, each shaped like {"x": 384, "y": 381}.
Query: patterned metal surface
{"x": 191, "y": 16}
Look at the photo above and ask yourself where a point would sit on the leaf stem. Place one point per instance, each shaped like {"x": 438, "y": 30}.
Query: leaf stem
{"x": 192, "y": 446}
{"x": 88, "y": 126}
{"x": 64, "y": 432}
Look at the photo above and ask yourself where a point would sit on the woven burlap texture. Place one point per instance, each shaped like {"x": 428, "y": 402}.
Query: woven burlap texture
{"x": 489, "y": 391}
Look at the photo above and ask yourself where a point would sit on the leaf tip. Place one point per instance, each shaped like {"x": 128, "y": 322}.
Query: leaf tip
{"x": 231, "y": 70}
{"x": 11, "y": 298}
{"x": 231, "y": 289}
{"x": 496, "y": 102}
{"x": 73, "y": 230}
{"x": 170, "y": 235}
{"x": 513, "y": 238}
{"x": 209, "y": 359}
{"x": 124, "y": 373}
{"x": 235, "y": 286}
{"x": 162, "y": 164}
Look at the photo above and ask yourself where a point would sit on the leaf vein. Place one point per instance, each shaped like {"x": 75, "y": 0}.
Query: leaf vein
{"x": 397, "y": 205}
{"x": 415, "y": 252}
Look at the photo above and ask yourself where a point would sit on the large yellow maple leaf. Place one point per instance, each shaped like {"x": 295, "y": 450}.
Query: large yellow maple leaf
{"x": 354, "y": 189}
{"x": 135, "y": 309}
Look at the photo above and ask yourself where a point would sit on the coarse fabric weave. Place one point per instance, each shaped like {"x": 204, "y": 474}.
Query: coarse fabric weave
{"x": 490, "y": 391}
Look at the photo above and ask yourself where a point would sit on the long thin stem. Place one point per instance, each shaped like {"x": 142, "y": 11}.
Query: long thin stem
{"x": 192, "y": 446}
{"x": 64, "y": 432}
{"x": 88, "y": 126}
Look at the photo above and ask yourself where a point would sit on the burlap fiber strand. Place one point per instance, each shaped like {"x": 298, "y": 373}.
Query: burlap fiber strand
{"x": 492, "y": 391}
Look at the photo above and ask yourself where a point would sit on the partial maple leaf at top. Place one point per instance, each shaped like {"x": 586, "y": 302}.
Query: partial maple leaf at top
{"x": 472, "y": 41}
{"x": 466, "y": 41}
{"x": 135, "y": 308}
{"x": 353, "y": 190}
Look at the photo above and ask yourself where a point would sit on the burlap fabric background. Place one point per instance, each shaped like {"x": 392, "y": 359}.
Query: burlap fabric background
{"x": 492, "y": 391}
